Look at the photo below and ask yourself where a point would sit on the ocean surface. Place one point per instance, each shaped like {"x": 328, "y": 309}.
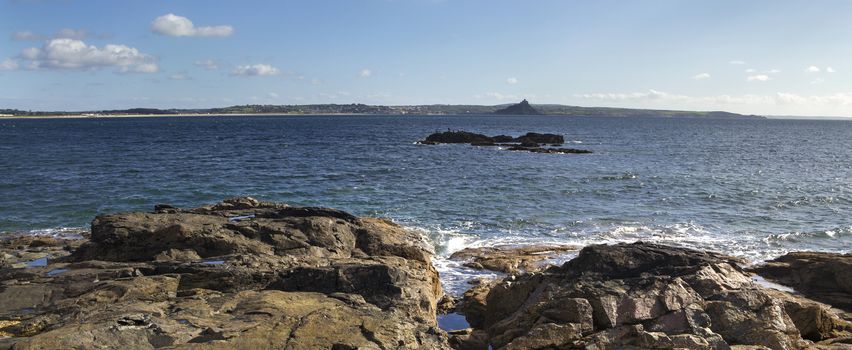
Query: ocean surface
{"x": 751, "y": 188}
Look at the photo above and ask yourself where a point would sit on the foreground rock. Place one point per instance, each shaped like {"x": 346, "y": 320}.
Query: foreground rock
{"x": 240, "y": 274}
{"x": 826, "y": 277}
{"x": 644, "y": 296}
{"x": 513, "y": 259}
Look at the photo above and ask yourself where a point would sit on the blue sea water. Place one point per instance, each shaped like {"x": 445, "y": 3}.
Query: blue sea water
{"x": 752, "y": 188}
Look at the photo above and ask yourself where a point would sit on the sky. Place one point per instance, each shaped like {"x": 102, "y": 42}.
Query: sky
{"x": 756, "y": 57}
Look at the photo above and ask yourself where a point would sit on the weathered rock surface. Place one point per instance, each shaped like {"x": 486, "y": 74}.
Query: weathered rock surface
{"x": 512, "y": 259}
{"x": 826, "y": 277}
{"x": 239, "y": 274}
{"x": 644, "y": 296}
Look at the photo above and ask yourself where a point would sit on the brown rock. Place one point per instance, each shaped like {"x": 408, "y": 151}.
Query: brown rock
{"x": 242, "y": 274}
{"x": 644, "y": 296}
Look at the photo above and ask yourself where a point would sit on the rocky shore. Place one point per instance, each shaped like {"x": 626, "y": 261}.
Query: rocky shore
{"x": 248, "y": 274}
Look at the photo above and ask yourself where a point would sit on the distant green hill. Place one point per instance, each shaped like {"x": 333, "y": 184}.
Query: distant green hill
{"x": 523, "y": 108}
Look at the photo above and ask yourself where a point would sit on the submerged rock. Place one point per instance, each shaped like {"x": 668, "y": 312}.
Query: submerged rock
{"x": 512, "y": 259}
{"x": 644, "y": 296}
{"x": 826, "y": 277}
{"x": 538, "y": 149}
{"x": 238, "y": 274}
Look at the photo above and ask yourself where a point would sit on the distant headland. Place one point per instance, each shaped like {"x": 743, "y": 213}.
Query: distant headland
{"x": 522, "y": 108}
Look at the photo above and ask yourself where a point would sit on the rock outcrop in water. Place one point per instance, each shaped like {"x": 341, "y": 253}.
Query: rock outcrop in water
{"x": 644, "y": 296}
{"x": 239, "y": 274}
{"x": 530, "y": 142}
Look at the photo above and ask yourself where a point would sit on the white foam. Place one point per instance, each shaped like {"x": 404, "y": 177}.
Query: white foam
{"x": 59, "y": 232}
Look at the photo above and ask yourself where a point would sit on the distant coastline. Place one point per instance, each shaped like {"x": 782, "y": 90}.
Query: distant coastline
{"x": 362, "y": 109}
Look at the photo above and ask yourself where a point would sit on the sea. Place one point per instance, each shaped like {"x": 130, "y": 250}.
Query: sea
{"x": 754, "y": 188}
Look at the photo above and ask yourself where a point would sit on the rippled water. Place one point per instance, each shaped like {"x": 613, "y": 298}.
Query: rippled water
{"x": 754, "y": 188}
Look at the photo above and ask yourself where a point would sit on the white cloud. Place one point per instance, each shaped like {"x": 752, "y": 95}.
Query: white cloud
{"x": 774, "y": 71}
{"x": 9, "y": 64}
{"x": 365, "y": 73}
{"x": 30, "y": 53}
{"x": 180, "y": 76}
{"x": 255, "y": 70}
{"x": 817, "y": 81}
{"x": 503, "y": 97}
{"x": 632, "y": 96}
{"x": 25, "y": 35}
{"x": 64, "y": 33}
{"x": 758, "y": 77}
{"x": 206, "y": 64}
{"x": 737, "y": 62}
{"x": 76, "y": 54}
{"x": 830, "y": 70}
{"x": 69, "y": 33}
{"x": 273, "y": 95}
{"x": 512, "y": 81}
{"x": 750, "y": 70}
{"x": 812, "y": 69}
{"x": 701, "y": 76}
{"x": 782, "y": 103}
{"x": 174, "y": 25}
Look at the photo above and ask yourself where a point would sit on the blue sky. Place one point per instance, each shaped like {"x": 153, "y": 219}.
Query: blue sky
{"x": 762, "y": 57}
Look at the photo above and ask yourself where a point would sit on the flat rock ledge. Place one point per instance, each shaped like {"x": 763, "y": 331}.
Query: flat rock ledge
{"x": 513, "y": 259}
{"x": 241, "y": 274}
{"x": 644, "y": 296}
{"x": 529, "y": 142}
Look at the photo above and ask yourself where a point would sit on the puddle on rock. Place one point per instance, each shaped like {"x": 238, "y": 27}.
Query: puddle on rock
{"x": 759, "y": 280}
{"x": 40, "y": 262}
{"x": 55, "y": 272}
{"x": 452, "y": 322}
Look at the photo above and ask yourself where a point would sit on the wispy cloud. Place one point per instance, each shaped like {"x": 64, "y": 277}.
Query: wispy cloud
{"x": 812, "y": 69}
{"x": 180, "y": 76}
{"x": 365, "y": 73}
{"x": 758, "y": 77}
{"x": 8, "y": 64}
{"x": 206, "y": 64}
{"x": 64, "y": 33}
{"x": 174, "y": 25}
{"x": 255, "y": 70}
{"x": 780, "y": 101}
{"x": 77, "y": 55}
{"x": 511, "y": 81}
{"x": 701, "y": 76}
{"x": 830, "y": 70}
{"x": 25, "y": 35}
